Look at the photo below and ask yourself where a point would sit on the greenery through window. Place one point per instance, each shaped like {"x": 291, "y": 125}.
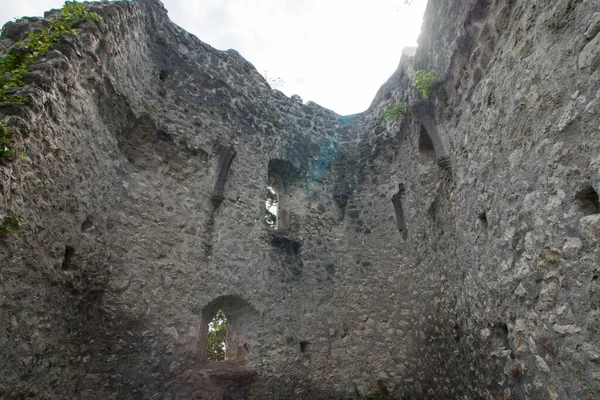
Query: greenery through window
{"x": 217, "y": 334}
{"x": 271, "y": 208}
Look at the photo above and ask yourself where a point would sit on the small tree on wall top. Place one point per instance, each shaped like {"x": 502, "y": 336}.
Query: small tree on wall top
{"x": 424, "y": 81}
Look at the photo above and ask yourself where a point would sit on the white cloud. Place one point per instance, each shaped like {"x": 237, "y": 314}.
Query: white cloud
{"x": 19, "y": 8}
{"x": 334, "y": 52}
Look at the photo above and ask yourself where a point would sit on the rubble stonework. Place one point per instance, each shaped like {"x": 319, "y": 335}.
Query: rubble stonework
{"x": 449, "y": 253}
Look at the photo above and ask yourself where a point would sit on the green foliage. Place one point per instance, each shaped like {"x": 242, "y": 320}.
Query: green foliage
{"x": 390, "y": 114}
{"x": 6, "y": 145}
{"x": 217, "y": 332}
{"x": 271, "y": 208}
{"x": 10, "y": 224}
{"x": 424, "y": 81}
{"x": 19, "y": 58}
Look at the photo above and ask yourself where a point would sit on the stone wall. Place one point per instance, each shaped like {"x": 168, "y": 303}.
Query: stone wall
{"x": 450, "y": 253}
{"x": 503, "y": 239}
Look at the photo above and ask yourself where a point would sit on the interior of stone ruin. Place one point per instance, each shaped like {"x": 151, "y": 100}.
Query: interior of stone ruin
{"x": 443, "y": 244}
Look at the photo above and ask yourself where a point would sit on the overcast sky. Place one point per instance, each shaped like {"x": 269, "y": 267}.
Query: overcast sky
{"x": 334, "y": 52}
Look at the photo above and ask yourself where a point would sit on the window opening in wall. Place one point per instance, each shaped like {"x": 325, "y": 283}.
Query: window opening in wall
{"x": 228, "y": 330}
{"x": 483, "y": 219}
{"x": 217, "y": 337}
{"x": 588, "y": 200}
{"x": 305, "y": 346}
{"x": 271, "y": 205}
{"x": 397, "y": 203}
{"x": 500, "y": 335}
{"x": 69, "y": 253}
{"x": 425, "y": 144}
{"x": 281, "y": 177}
{"x": 426, "y": 156}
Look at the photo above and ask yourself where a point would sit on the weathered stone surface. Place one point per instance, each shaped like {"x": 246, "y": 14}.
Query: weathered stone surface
{"x": 543, "y": 366}
{"x": 449, "y": 253}
{"x": 572, "y": 247}
{"x": 594, "y": 27}
{"x": 566, "y": 329}
{"x": 590, "y": 227}
{"x": 590, "y": 55}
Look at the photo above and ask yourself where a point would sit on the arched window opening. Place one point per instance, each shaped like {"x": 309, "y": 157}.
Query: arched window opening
{"x": 426, "y": 157}
{"x": 281, "y": 177}
{"x": 277, "y": 216}
{"x": 228, "y": 330}
{"x": 430, "y": 144}
{"x": 271, "y": 205}
{"x": 217, "y": 337}
{"x": 426, "y": 149}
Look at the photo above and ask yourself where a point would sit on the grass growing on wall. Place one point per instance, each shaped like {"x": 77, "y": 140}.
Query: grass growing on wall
{"x": 20, "y": 57}
{"x": 6, "y": 145}
{"x": 390, "y": 114}
{"x": 10, "y": 224}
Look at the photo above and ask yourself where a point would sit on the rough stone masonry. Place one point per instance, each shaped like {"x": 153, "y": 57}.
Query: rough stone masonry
{"x": 452, "y": 253}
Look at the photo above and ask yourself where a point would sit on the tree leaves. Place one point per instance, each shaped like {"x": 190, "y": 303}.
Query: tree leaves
{"x": 390, "y": 114}
{"x": 217, "y": 333}
{"x": 6, "y": 145}
{"x": 424, "y": 81}
{"x": 271, "y": 208}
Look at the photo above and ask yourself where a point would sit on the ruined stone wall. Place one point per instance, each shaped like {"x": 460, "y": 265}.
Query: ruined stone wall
{"x": 452, "y": 252}
{"x": 502, "y": 240}
{"x": 108, "y": 280}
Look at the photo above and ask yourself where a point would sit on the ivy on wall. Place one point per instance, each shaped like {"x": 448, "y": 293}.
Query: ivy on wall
{"x": 15, "y": 64}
